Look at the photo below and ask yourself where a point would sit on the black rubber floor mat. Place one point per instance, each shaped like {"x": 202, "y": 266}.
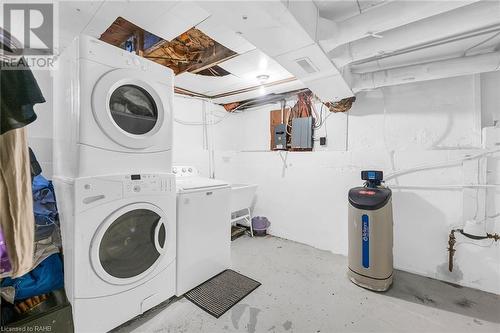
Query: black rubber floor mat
{"x": 221, "y": 292}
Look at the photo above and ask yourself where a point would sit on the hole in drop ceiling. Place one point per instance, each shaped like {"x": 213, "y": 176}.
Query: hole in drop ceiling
{"x": 193, "y": 51}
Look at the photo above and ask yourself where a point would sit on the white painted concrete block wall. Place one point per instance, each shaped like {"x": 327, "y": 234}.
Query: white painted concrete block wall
{"x": 390, "y": 129}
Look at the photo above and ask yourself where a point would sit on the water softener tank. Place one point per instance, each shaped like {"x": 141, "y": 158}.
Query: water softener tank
{"x": 370, "y": 233}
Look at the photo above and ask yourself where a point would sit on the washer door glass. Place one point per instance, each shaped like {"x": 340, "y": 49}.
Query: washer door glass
{"x": 133, "y": 109}
{"x": 128, "y": 246}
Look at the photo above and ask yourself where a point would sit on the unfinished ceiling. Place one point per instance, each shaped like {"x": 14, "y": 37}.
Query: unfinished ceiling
{"x": 192, "y": 51}
{"x": 334, "y": 48}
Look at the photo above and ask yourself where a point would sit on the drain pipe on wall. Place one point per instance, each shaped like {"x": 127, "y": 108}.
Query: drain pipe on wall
{"x": 441, "y": 164}
{"x": 209, "y": 124}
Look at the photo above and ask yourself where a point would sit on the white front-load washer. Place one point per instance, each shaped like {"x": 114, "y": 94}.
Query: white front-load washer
{"x": 203, "y": 227}
{"x": 119, "y": 243}
{"x": 112, "y": 112}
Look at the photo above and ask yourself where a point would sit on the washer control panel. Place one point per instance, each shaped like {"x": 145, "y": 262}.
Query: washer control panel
{"x": 137, "y": 184}
{"x": 185, "y": 171}
{"x": 94, "y": 191}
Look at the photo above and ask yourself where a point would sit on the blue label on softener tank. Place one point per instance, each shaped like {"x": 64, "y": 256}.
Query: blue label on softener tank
{"x": 365, "y": 240}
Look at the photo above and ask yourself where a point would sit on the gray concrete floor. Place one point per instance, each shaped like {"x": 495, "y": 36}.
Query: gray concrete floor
{"x": 306, "y": 290}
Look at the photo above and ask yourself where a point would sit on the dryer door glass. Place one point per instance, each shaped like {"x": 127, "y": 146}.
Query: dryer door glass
{"x": 128, "y": 248}
{"x": 133, "y": 109}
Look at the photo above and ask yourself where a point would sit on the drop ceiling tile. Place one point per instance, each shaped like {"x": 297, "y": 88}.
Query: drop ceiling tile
{"x": 312, "y": 54}
{"x": 145, "y": 14}
{"x": 251, "y": 64}
{"x": 178, "y": 19}
{"x": 225, "y": 35}
{"x": 266, "y": 24}
{"x": 74, "y": 16}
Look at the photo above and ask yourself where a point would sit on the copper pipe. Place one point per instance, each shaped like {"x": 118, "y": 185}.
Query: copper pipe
{"x": 451, "y": 249}
{"x": 452, "y": 241}
{"x": 496, "y": 237}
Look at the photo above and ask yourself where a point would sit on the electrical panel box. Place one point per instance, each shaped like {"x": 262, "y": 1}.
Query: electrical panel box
{"x": 279, "y": 118}
{"x": 280, "y": 136}
{"x": 302, "y": 133}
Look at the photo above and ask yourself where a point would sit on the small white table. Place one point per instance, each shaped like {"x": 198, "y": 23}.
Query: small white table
{"x": 243, "y": 215}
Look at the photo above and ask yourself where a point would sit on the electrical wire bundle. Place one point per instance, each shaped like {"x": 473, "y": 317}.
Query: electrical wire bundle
{"x": 343, "y": 105}
{"x": 303, "y": 108}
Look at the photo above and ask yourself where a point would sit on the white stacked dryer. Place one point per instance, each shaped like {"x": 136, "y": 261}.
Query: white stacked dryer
{"x": 112, "y": 161}
{"x": 113, "y": 112}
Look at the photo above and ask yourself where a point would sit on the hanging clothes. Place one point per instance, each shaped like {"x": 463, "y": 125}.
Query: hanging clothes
{"x": 46, "y": 277}
{"x": 19, "y": 92}
{"x": 5, "y": 266}
{"x": 35, "y": 167}
{"x": 16, "y": 216}
{"x": 44, "y": 207}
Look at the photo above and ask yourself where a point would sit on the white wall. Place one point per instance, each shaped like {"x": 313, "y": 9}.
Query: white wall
{"x": 40, "y": 131}
{"x": 190, "y": 137}
{"x": 389, "y": 129}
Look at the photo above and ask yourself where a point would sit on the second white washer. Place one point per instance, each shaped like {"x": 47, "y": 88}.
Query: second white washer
{"x": 203, "y": 228}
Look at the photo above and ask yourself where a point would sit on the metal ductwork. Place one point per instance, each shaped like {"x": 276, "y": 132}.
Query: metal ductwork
{"x": 427, "y": 71}
{"x": 477, "y": 18}
{"x": 383, "y": 18}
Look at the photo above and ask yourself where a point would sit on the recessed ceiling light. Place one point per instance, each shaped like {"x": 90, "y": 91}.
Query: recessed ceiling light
{"x": 262, "y": 78}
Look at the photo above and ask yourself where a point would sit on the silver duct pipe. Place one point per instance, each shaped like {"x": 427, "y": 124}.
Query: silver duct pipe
{"x": 478, "y": 18}
{"x": 427, "y": 71}
{"x": 382, "y": 18}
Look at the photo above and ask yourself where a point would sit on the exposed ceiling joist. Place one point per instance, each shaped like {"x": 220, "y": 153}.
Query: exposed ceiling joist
{"x": 212, "y": 57}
